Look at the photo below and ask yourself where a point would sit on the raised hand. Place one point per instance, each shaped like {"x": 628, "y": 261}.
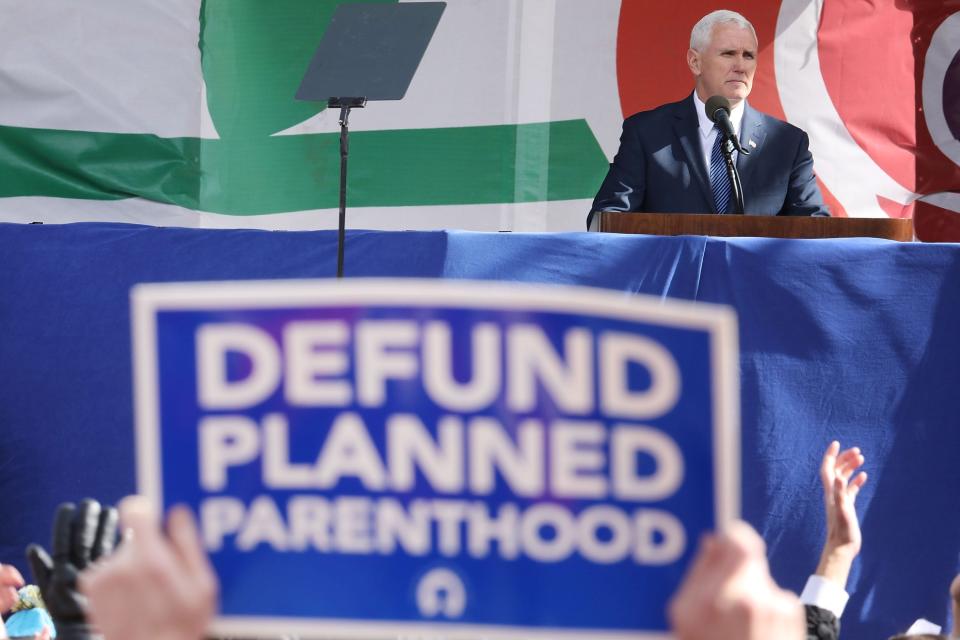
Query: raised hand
{"x": 841, "y": 484}
{"x": 157, "y": 586}
{"x": 728, "y": 593}
{"x": 80, "y": 537}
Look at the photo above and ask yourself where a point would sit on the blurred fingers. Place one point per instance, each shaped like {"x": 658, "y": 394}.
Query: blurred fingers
{"x": 84, "y": 532}
{"x": 10, "y": 580}
{"x": 848, "y": 462}
{"x": 106, "y": 533}
{"x": 41, "y": 566}
{"x": 8, "y": 598}
{"x": 9, "y": 575}
{"x": 854, "y": 487}
{"x": 745, "y": 539}
{"x": 185, "y": 538}
{"x": 139, "y": 519}
{"x": 828, "y": 464}
{"x": 63, "y": 531}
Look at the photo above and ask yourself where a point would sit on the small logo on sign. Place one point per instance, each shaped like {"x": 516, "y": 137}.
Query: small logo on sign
{"x": 441, "y": 593}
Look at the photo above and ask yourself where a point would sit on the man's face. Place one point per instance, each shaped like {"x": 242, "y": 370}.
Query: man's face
{"x": 727, "y": 65}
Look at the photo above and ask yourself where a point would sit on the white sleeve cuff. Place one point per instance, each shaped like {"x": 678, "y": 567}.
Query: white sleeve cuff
{"x": 923, "y": 626}
{"x": 826, "y": 594}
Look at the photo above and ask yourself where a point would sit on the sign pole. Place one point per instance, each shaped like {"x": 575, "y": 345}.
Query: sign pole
{"x": 370, "y": 51}
{"x": 345, "y": 105}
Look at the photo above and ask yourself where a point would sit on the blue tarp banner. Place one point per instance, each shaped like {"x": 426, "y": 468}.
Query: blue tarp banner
{"x": 855, "y": 340}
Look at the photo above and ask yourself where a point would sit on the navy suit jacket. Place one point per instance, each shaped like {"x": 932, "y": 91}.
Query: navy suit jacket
{"x": 660, "y": 167}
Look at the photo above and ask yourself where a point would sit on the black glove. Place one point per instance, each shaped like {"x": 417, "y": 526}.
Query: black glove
{"x": 80, "y": 536}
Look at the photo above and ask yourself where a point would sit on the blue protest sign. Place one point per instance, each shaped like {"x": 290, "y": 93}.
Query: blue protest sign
{"x": 397, "y": 458}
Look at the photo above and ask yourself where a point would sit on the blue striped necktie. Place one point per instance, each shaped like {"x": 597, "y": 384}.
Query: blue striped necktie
{"x": 719, "y": 180}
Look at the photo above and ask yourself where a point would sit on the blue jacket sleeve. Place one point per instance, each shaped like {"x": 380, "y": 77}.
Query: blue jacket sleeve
{"x": 803, "y": 194}
{"x": 623, "y": 188}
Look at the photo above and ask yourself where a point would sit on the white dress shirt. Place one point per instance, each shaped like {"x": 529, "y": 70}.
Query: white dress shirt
{"x": 708, "y": 134}
{"x": 826, "y": 594}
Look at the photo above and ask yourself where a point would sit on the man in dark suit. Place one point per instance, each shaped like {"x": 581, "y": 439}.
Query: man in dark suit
{"x": 670, "y": 159}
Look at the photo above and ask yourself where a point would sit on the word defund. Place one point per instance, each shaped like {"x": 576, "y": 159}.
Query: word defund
{"x": 329, "y": 363}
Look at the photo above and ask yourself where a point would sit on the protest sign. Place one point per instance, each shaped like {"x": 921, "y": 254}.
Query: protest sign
{"x": 405, "y": 458}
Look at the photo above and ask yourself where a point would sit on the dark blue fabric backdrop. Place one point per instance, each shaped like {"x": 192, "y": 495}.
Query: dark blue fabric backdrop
{"x": 857, "y": 340}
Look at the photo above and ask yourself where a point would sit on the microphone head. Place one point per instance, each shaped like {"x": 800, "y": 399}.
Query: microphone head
{"x": 714, "y": 104}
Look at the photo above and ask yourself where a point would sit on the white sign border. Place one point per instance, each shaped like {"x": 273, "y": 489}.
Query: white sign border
{"x": 720, "y": 322}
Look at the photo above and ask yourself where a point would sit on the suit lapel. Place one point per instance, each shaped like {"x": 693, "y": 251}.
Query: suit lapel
{"x": 752, "y": 134}
{"x": 687, "y": 127}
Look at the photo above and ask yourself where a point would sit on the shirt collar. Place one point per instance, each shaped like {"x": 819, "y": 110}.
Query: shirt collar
{"x": 706, "y": 124}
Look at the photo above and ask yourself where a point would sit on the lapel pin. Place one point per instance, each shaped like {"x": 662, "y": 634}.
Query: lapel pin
{"x": 751, "y": 143}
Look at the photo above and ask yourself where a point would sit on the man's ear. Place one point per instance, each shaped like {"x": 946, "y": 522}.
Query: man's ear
{"x": 693, "y": 61}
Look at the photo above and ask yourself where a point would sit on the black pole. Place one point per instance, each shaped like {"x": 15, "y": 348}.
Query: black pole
{"x": 344, "y": 153}
{"x": 344, "y": 104}
{"x": 734, "y": 176}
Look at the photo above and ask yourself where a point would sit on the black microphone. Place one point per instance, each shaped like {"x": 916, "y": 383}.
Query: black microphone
{"x": 718, "y": 110}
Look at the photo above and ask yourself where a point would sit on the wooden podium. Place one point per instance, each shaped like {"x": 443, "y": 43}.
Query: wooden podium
{"x": 695, "y": 224}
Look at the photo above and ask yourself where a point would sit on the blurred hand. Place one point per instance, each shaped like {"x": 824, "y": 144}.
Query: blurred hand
{"x": 955, "y": 598}
{"x": 728, "y": 594}
{"x": 80, "y": 537}
{"x": 840, "y": 489}
{"x": 10, "y": 581}
{"x": 156, "y": 586}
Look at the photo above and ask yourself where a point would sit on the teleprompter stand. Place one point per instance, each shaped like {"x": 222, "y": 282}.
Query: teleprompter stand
{"x": 369, "y": 52}
{"x": 345, "y": 105}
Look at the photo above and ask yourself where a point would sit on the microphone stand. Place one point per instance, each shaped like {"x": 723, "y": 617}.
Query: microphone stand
{"x": 733, "y": 174}
{"x": 344, "y": 104}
